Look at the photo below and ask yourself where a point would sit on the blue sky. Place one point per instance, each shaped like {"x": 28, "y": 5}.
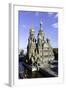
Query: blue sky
{"x": 28, "y": 19}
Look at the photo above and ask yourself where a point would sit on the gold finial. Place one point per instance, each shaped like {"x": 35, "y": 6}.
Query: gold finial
{"x": 41, "y": 22}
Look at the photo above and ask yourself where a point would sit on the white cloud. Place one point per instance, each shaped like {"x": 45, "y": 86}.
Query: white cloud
{"x": 23, "y": 26}
{"x": 55, "y": 25}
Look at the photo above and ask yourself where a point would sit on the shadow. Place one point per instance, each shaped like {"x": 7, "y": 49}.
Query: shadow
{"x": 7, "y": 84}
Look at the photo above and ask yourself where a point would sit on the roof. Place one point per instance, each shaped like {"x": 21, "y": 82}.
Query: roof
{"x": 46, "y": 45}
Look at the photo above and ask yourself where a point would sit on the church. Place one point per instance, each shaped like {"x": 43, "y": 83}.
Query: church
{"x": 39, "y": 51}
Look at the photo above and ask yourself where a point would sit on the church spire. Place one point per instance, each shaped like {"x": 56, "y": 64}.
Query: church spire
{"x": 41, "y": 25}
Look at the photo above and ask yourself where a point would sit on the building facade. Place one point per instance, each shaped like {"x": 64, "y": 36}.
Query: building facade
{"x": 39, "y": 51}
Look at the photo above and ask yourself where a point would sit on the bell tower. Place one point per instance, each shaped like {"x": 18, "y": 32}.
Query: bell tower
{"x": 31, "y": 44}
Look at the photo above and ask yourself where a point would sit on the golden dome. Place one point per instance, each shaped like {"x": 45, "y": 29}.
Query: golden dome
{"x": 31, "y": 30}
